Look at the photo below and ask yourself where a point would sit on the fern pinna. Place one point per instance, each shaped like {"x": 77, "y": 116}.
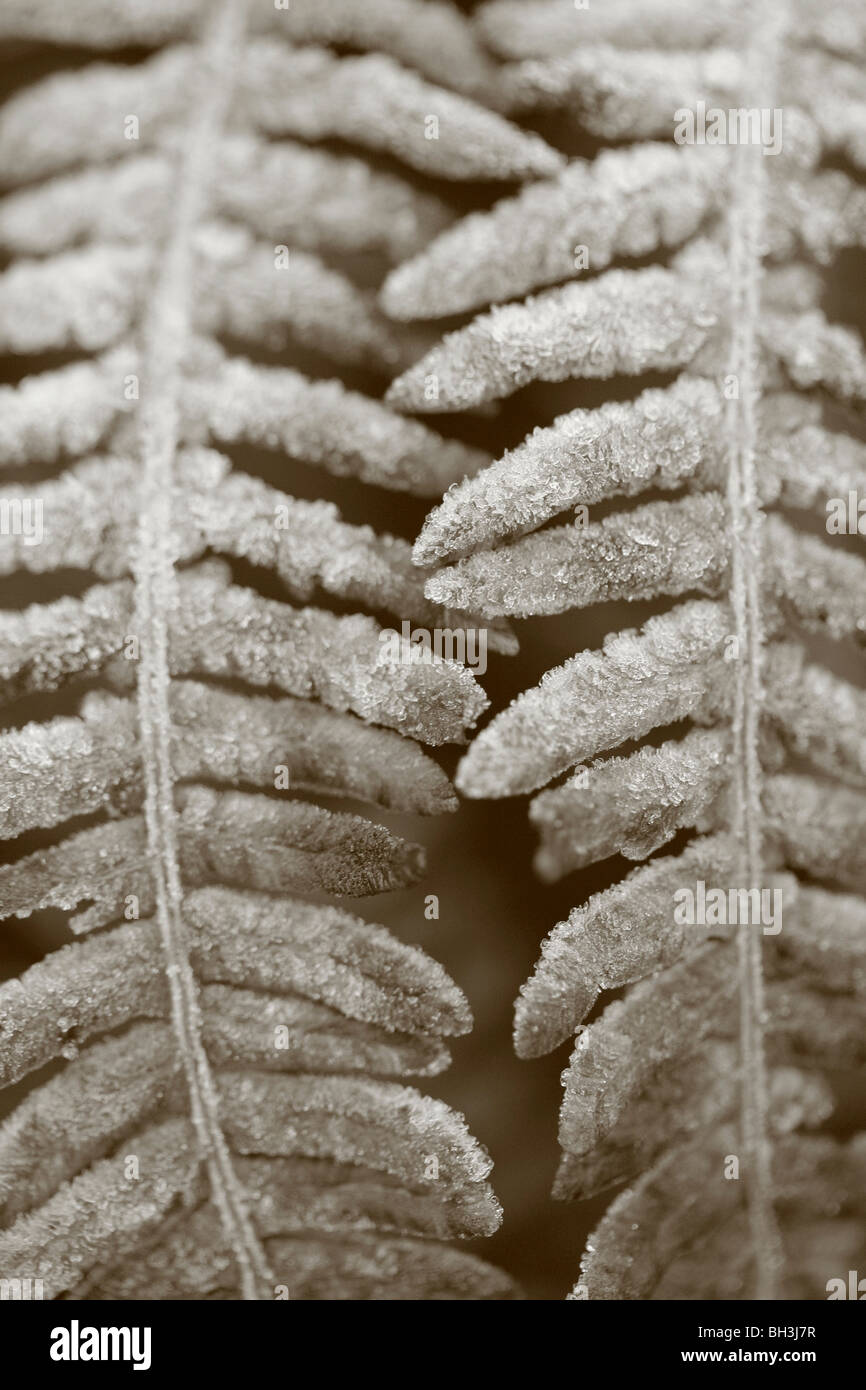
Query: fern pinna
{"x": 706, "y": 1087}
{"x": 214, "y": 1107}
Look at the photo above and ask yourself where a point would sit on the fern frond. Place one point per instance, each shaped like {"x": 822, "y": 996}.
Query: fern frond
{"x": 90, "y": 527}
{"x": 435, "y": 38}
{"x": 663, "y": 439}
{"x": 815, "y": 714}
{"x": 820, "y": 827}
{"x": 750, "y": 748}
{"x": 300, "y": 847}
{"x": 307, "y": 93}
{"x": 374, "y": 102}
{"x": 621, "y": 935}
{"x": 816, "y": 353}
{"x": 820, "y": 1181}
{"x": 173, "y": 822}
{"x": 630, "y": 806}
{"x": 67, "y": 766}
{"x": 670, "y": 671}
{"x": 582, "y": 458}
{"x": 660, "y": 548}
{"x": 545, "y": 27}
{"x": 367, "y": 1124}
{"x": 621, "y": 93}
{"x": 192, "y": 1261}
{"x": 225, "y": 630}
{"x": 631, "y": 93}
{"x": 241, "y": 939}
{"x": 212, "y": 1071}
{"x": 627, "y": 203}
{"x": 321, "y": 422}
{"x": 233, "y": 401}
{"x": 820, "y": 214}
{"x": 699, "y": 1095}
{"x": 336, "y": 203}
{"x": 88, "y": 299}
{"x": 606, "y": 328}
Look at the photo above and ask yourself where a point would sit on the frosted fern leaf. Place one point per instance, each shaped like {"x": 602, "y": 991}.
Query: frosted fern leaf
{"x": 192, "y": 679}
{"x": 181, "y": 695}
{"x": 431, "y": 37}
{"x": 307, "y": 93}
{"x": 630, "y": 202}
{"x": 315, "y": 199}
{"x": 718, "y": 744}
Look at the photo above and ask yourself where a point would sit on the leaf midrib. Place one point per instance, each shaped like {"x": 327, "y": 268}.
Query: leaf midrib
{"x": 166, "y": 333}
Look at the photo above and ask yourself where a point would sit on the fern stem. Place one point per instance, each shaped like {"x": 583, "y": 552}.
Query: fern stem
{"x": 165, "y": 336}
{"x": 745, "y": 224}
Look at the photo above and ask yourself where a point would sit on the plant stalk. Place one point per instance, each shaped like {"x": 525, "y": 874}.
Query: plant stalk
{"x": 166, "y": 335}
{"x": 745, "y": 231}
